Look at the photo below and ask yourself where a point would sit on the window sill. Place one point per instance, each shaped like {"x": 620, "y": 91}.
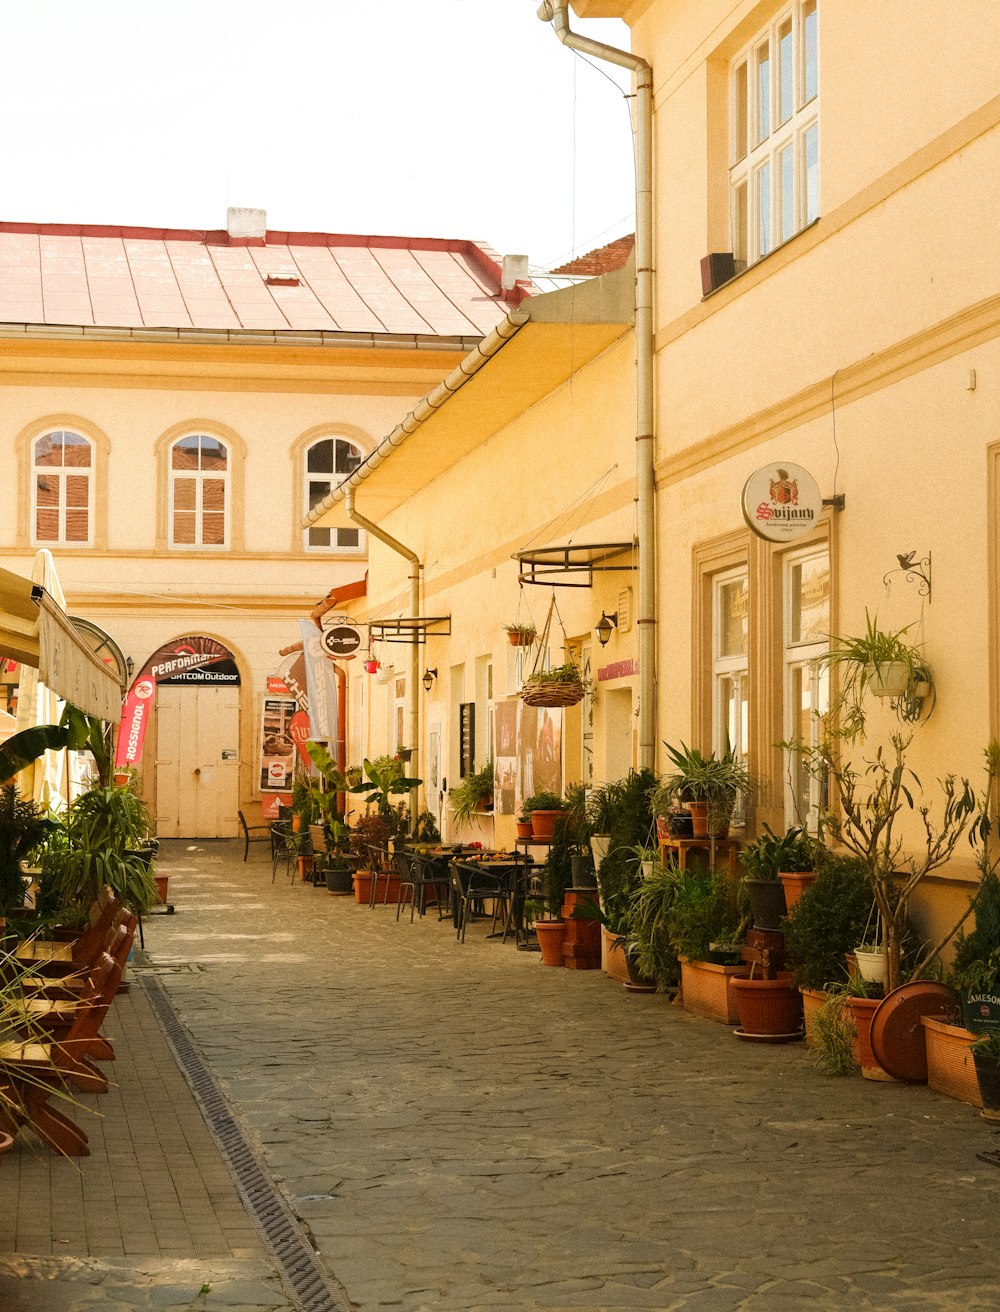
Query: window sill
{"x": 757, "y": 264}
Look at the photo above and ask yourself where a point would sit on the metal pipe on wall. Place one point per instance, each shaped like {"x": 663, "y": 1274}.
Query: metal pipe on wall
{"x": 556, "y": 13}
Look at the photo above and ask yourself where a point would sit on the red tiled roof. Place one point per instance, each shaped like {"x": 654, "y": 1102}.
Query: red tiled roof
{"x": 606, "y": 259}
{"x": 161, "y": 278}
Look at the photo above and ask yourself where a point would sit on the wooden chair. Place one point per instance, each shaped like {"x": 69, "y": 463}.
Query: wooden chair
{"x": 252, "y": 834}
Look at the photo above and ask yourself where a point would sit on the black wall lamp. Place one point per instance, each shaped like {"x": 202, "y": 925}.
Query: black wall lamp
{"x": 604, "y": 626}
{"x": 428, "y": 679}
{"x": 129, "y": 667}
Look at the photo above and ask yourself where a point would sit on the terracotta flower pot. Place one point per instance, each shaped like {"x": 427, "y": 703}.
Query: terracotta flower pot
{"x": 523, "y": 828}
{"x": 551, "y": 936}
{"x": 861, "y": 1012}
{"x": 795, "y": 883}
{"x": 769, "y": 1007}
{"x": 6, "y": 1143}
{"x": 543, "y": 823}
{"x": 518, "y": 639}
{"x": 812, "y": 1002}
{"x": 706, "y": 990}
{"x": 699, "y": 818}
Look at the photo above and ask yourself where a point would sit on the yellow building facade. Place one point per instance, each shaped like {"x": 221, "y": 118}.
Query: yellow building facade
{"x": 839, "y": 162}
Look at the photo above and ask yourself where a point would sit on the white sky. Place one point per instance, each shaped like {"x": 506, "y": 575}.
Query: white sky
{"x": 449, "y": 118}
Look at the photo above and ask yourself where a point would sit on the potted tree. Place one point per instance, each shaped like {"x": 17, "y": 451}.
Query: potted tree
{"x": 825, "y": 922}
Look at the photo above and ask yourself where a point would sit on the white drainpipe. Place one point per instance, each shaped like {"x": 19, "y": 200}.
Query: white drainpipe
{"x": 556, "y": 13}
{"x": 412, "y": 680}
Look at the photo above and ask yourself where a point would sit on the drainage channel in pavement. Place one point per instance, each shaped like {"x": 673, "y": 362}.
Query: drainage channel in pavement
{"x": 304, "y": 1275}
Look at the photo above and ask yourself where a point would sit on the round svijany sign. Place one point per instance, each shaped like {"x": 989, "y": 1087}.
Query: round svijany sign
{"x": 781, "y": 502}
{"x": 342, "y": 638}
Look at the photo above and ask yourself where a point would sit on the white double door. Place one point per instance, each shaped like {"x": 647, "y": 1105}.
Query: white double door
{"x": 197, "y": 771}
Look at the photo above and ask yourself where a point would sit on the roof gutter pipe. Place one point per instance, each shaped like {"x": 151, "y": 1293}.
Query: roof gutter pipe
{"x": 556, "y": 13}
{"x": 412, "y": 678}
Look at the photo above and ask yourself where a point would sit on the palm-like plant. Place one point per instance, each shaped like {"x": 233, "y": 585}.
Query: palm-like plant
{"x": 23, "y": 828}
{"x": 106, "y": 827}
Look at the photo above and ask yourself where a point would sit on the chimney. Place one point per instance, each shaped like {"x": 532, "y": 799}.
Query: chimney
{"x": 246, "y": 227}
{"x": 515, "y": 269}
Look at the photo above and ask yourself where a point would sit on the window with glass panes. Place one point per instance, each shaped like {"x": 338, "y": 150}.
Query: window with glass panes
{"x": 62, "y": 489}
{"x": 327, "y": 462}
{"x": 806, "y": 594}
{"x": 730, "y": 666}
{"x": 774, "y": 133}
{"x": 199, "y": 492}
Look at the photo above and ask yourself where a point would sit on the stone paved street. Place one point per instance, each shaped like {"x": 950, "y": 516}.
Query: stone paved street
{"x": 459, "y": 1127}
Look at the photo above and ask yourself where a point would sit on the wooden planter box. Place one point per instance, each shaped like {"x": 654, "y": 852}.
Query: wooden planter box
{"x": 705, "y": 990}
{"x": 950, "y": 1069}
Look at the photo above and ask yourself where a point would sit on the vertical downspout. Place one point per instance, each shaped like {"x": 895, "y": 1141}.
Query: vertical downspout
{"x": 341, "y": 757}
{"x": 412, "y": 680}
{"x": 555, "y": 11}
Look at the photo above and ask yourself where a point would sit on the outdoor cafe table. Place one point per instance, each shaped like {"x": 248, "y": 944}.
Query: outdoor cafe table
{"x": 512, "y": 872}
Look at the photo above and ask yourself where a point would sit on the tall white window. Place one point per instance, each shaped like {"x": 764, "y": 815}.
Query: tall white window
{"x": 199, "y": 492}
{"x": 774, "y": 133}
{"x": 730, "y": 648}
{"x": 62, "y": 489}
{"x": 806, "y": 594}
{"x": 327, "y": 462}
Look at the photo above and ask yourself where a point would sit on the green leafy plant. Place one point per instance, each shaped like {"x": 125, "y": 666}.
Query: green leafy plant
{"x": 106, "y": 828}
{"x": 858, "y": 659}
{"x": 473, "y": 795}
{"x": 651, "y": 926}
{"x": 770, "y": 854}
{"x": 630, "y": 822}
{"x": 23, "y": 829}
{"x": 704, "y": 912}
{"x": 524, "y": 630}
{"x": 715, "y": 780}
{"x": 542, "y": 802}
{"x": 834, "y": 1034}
{"x": 383, "y": 779}
{"x": 827, "y": 921}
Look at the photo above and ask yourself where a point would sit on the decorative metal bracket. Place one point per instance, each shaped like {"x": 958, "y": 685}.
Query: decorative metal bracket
{"x": 916, "y": 571}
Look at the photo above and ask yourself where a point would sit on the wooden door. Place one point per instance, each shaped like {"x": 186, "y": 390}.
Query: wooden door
{"x": 197, "y": 772}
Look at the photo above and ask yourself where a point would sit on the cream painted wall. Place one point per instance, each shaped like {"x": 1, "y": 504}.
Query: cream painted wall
{"x": 561, "y": 472}
{"x": 251, "y": 599}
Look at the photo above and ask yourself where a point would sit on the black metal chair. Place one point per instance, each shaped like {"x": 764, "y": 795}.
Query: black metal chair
{"x": 418, "y": 874}
{"x": 382, "y": 869}
{"x": 473, "y": 886}
{"x": 284, "y": 847}
{"x": 252, "y": 834}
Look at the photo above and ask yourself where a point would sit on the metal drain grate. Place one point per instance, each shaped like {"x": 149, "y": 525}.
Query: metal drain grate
{"x": 300, "y": 1267}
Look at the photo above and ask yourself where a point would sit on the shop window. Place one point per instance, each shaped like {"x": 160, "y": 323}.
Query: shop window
{"x": 199, "y": 492}
{"x": 730, "y": 669}
{"x": 806, "y": 683}
{"x": 327, "y": 463}
{"x": 774, "y": 133}
{"x": 62, "y": 489}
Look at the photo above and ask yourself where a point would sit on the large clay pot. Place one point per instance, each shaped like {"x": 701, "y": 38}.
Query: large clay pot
{"x": 861, "y": 1012}
{"x": 769, "y": 1008}
{"x": 767, "y": 901}
{"x": 551, "y": 935}
{"x": 795, "y": 883}
{"x": 543, "y": 823}
{"x": 706, "y": 990}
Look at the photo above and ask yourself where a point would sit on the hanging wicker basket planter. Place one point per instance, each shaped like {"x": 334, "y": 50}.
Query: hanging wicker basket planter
{"x": 539, "y": 691}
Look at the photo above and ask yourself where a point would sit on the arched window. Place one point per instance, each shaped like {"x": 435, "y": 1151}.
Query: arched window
{"x": 327, "y": 462}
{"x": 62, "y": 489}
{"x": 199, "y": 492}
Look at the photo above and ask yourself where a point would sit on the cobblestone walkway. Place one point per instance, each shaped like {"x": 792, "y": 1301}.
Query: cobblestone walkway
{"x": 461, "y": 1128}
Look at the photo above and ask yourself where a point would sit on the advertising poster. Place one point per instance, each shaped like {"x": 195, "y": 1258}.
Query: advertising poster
{"x": 277, "y": 744}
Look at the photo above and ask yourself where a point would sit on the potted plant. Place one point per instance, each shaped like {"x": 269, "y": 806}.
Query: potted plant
{"x": 648, "y": 944}
{"x": 544, "y": 810}
{"x": 825, "y": 922}
{"x": 763, "y": 861}
{"x": 560, "y": 685}
{"x": 867, "y": 798}
{"x": 106, "y": 831}
{"x": 880, "y": 663}
{"x": 602, "y": 805}
{"x": 522, "y": 825}
{"x": 709, "y": 786}
{"x": 23, "y": 829}
{"x": 474, "y": 795}
{"x": 520, "y": 635}
{"x": 704, "y": 915}
{"x": 624, "y": 806}
{"x": 986, "y": 1057}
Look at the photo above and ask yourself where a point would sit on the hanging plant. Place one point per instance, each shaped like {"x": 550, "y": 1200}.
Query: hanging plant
{"x": 553, "y": 686}
{"x": 520, "y": 635}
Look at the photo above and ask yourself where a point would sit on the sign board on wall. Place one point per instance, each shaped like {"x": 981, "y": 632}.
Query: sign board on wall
{"x": 781, "y": 502}
{"x": 277, "y": 744}
{"x": 341, "y": 637}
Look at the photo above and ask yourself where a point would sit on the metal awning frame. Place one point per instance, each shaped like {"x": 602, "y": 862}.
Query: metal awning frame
{"x": 571, "y": 566}
{"x": 413, "y": 630}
